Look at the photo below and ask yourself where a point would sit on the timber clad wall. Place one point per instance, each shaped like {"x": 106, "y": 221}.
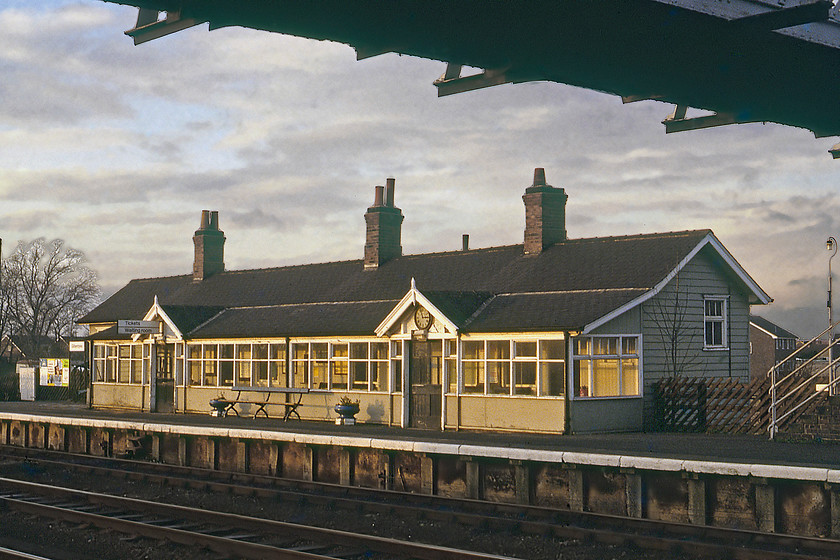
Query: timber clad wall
{"x": 700, "y": 277}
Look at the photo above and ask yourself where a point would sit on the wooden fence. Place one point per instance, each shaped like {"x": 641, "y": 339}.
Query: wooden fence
{"x": 689, "y": 404}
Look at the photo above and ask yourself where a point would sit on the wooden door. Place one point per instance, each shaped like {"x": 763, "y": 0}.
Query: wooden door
{"x": 165, "y": 379}
{"x": 424, "y": 399}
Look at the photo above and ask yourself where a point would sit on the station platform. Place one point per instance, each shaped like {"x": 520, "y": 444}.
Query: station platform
{"x": 717, "y": 448}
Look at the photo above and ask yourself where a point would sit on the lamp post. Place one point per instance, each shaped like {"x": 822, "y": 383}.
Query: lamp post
{"x": 831, "y": 245}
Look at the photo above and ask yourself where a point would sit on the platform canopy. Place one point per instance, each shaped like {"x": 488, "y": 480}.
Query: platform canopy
{"x": 742, "y": 60}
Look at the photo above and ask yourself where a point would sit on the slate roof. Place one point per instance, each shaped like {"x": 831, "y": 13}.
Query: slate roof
{"x": 500, "y": 288}
{"x": 775, "y": 330}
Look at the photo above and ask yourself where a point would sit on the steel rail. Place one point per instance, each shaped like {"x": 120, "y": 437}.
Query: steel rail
{"x": 224, "y": 545}
{"x": 604, "y": 528}
{"x": 9, "y": 554}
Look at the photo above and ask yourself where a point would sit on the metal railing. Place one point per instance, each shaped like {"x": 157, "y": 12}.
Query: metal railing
{"x": 775, "y": 400}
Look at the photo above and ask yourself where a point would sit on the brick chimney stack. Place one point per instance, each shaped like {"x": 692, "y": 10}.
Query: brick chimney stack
{"x": 545, "y": 215}
{"x": 209, "y": 243}
{"x": 384, "y": 224}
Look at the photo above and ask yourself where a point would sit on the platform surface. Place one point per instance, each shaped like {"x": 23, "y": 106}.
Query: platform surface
{"x": 701, "y": 447}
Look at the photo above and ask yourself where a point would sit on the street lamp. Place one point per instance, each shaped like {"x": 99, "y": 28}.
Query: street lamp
{"x": 831, "y": 245}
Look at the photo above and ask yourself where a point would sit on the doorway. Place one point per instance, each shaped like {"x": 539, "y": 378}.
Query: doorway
{"x": 425, "y": 390}
{"x": 165, "y": 379}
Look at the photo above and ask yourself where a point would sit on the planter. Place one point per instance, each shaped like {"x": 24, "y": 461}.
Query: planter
{"x": 219, "y": 407}
{"x": 346, "y": 414}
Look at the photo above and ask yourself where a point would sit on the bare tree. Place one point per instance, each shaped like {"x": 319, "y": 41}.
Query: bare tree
{"x": 49, "y": 286}
{"x": 678, "y": 333}
{"x": 5, "y": 319}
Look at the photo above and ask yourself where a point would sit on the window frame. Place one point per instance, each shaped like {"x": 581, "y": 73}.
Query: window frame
{"x": 710, "y": 320}
{"x": 621, "y": 356}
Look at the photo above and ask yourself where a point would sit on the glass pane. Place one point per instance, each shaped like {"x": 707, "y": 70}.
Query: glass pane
{"x": 210, "y": 377}
{"x": 581, "y": 377}
{"x": 552, "y": 349}
{"x": 474, "y": 350}
{"x": 319, "y": 350}
{"x": 379, "y": 350}
{"x": 243, "y": 351}
{"x": 319, "y": 374}
{"x": 98, "y": 350}
{"x": 339, "y": 374}
{"x": 498, "y": 378}
{"x": 359, "y": 370}
{"x": 300, "y": 351}
{"x": 277, "y": 351}
{"x": 210, "y": 351}
{"x": 261, "y": 374}
{"x": 243, "y": 373}
{"x": 552, "y": 378}
{"x": 605, "y": 378}
{"x": 195, "y": 372}
{"x": 277, "y": 372}
{"x": 378, "y": 376}
{"x": 396, "y": 348}
{"x": 630, "y": 376}
{"x": 605, "y": 346}
{"x": 452, "y": 372}
{"x": 498, "y": 350}
{"x": 450, "y": 347}
{"x": 525, "y": 378}
{"x": 300, "y": 374}
{"x": 226, "y": 372}
{"x": 260, "y": 351}
{"x": 124, "y": 351}
{"x": 396, "y": 367}
{"x": 226, "y": 351}
{"x": 474, "y": 377}
{"x": 124, "y": 368}
{"x": 359, "y": 351}
{"x": 339, "y": 350}
{"x": 526, "y": 349}
{"x": 629, "y": 346}
{"x": 136, "y": 371}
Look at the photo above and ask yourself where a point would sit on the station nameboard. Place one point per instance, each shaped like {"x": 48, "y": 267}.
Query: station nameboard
{"x": 129, "y": 326}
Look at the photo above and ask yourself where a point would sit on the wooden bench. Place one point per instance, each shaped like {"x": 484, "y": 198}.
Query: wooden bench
{"x": 290, "y": 403}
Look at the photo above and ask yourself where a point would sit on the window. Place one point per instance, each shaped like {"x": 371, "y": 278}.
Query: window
{"x": 714, "y": 319}
{"x": 121, "y": 363}
{"x": 396, "y": 364}
{"x": 361, "y": 366}
{"x": 249, "y": 365}
{"x": 606, "y": 366}
{"x": 514, "y": 367}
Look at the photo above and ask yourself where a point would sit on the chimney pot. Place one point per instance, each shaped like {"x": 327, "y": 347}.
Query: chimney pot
{"x": 214, "y": 219}
{"x": 205, "y": 219}
{"x": 389, "y": 191}
{"x": 377, "y": 199}
{"x": 539, "y": 177}
{"x": 465, "y": 242}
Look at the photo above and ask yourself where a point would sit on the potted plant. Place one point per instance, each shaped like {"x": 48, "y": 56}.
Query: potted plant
{"x": 346, "y": 410}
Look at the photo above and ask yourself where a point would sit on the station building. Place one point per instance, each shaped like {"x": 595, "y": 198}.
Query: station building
{"x": 553, "y": 335}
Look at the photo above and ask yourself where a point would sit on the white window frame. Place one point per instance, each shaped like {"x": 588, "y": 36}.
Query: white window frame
{"x": 722, "y": 319}
{"x": 620, "y": 356}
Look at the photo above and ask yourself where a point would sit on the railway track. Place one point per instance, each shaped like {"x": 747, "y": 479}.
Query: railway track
{"x": 232, "y": 535}
{"x": 687, "y": 540}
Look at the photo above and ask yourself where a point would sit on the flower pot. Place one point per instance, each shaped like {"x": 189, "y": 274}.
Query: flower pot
{"x": 219, "y": 407}
{"x": 346, "y": 413}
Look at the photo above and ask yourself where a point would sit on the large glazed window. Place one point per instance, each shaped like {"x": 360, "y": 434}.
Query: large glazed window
{"x": 118, "y": 363}
{"x": 606, "y": 366}
{"x": 248, "y": 364}
{"x": 514, "y": 367}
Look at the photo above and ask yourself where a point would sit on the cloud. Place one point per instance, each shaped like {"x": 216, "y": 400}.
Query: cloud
{"x": 117, "y": 149}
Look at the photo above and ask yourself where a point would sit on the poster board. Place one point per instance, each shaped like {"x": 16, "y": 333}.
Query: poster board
{"x": 54, "y": 372}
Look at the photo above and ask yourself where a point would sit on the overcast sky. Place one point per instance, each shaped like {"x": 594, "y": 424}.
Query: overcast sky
{"x": 116, "y": 149}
